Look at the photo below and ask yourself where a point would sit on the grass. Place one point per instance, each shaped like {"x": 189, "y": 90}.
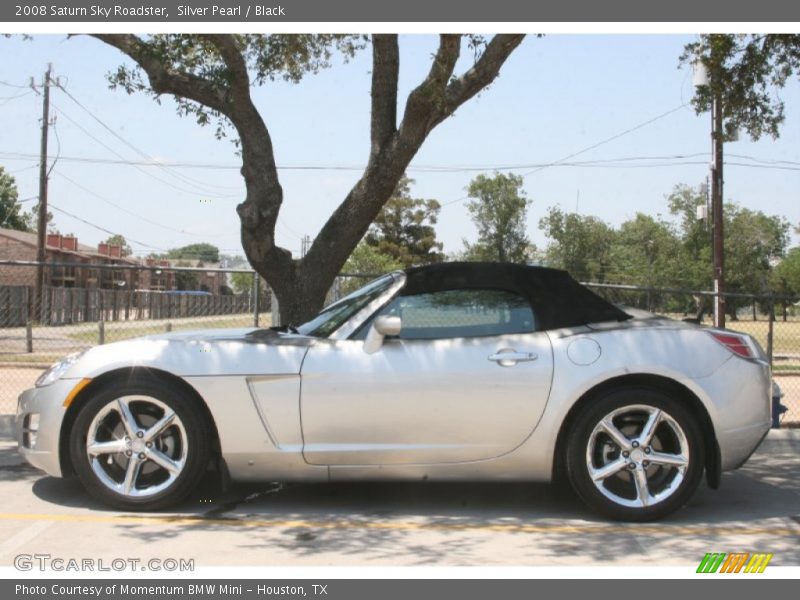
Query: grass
{"x": 116, "y": 331}
{"x": 785, "y": 337}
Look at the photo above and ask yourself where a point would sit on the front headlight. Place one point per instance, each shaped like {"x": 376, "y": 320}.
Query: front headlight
{"x": 57, "y": 370}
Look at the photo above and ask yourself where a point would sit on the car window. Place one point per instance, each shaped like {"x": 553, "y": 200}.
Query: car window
{"x": 332, "y": 317}
{"x": 461, "y": 313}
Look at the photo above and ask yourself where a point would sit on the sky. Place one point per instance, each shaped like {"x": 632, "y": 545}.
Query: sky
{"x": 556, "y": 96}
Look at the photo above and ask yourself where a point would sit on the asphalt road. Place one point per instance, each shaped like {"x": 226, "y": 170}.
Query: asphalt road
{"x": 757, "y": 510}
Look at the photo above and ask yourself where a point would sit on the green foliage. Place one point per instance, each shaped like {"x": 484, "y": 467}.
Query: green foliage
{"x": 753, "y": 241}
{"x": 366, "y": 260}
{"x": 119, "y": 240}
{"x": 645, "y": 249}
{"x": 11, "y": 215}
{"x": 269, "y": 57}
{"x": 499, "y": 209}
{"x": 746, "y": 71}
{"x": 581, "y": 244}
{"x": 694, "y": 254}
{"x": 242, "y": 283}
{"x": 404, "y": 229}
{"x": 785, "y": 278}
{"x": 204, "y": 252}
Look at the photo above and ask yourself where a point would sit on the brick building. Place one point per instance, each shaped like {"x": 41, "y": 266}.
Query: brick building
{"x": 21, "y": 245}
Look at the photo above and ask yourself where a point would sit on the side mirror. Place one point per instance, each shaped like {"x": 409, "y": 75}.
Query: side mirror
{"x": 381, "y": 327}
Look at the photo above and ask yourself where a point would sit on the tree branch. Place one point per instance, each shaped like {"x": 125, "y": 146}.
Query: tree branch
{"x": 385, "y": 69}
{"x": 423, "y": 101}
{"x": 259, "y": 211}
{"x": 163, "y": 78}
{"x": 483, "y": 72}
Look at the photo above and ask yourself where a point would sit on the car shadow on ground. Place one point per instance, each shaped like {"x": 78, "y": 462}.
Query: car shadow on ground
{"x": 426, "y": 523}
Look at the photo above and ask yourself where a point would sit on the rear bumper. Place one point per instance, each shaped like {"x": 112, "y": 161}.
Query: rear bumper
{"x": 739, "y": 400}
{"x": 42, "y": 449}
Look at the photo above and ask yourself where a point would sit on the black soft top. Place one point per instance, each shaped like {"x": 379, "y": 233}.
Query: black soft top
{"x": 555, "y": 297}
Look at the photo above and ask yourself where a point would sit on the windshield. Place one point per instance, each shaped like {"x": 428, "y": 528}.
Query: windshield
{"x": 334, "y": 316}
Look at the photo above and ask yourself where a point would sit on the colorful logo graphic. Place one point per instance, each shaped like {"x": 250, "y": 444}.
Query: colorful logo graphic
{"x": 741, "y": 562}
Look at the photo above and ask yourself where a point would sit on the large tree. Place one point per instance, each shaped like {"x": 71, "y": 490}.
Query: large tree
{"x": 499, "y": 210}
{"x": 211, "y": 77}
{"x": 404, "y": 229}
{"x": 747, "y": 72}
{"x": 203, "y": 251}
{"x": 119, "y": 240}
{"x": 579, "y": 243}
{"x": 11, "y": 215}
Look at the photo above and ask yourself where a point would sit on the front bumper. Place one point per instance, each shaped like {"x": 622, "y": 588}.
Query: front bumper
{"x": 48, "y": 403}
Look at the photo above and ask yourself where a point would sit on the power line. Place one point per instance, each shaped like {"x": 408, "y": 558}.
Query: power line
{"x": 142, "y": 153}
{"x": 610, "y": 139}
{"x": 100, "y": 228}
{"x": 430, "y": 168}
{"x": 6, "y": 99}
{"x": 132, "y": 213}
{"x": 122, "y": 158}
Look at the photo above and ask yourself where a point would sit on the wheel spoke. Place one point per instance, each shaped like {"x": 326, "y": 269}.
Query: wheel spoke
{"x": 607, "y": 470}
{"x": 131, "y": 475}
{"x": 110, "y": 447}
{"x": 642, "y": 491}
{"x": 159, "y": 427}
{"x": 674, "y": 460}
{"x": 128, "y": 420}
{"x": 615, "y": 434}
{"x": 650, "y": 427}
{"x": 163, "y": 461}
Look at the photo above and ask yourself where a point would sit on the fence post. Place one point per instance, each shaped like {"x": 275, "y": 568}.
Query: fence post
{"x": 771, "y": 330}
{"x": 275, "y": 309}
{"x": 101, "y": 322}
{"x": 256, "y": 297}
{"x": 169, "y": 326}
{"x": 29, "y": 336}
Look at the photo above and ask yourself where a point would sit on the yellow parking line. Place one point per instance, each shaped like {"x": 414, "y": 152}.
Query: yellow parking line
{"x": 404, "y": 525}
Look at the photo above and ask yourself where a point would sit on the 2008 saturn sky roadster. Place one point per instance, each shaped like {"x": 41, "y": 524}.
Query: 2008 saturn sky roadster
{"x": 459, "y": 371}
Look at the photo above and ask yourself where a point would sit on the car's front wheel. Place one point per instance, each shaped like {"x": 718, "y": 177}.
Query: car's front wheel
{"x": 635, "y": 454}
{"x": 140, "y": 445}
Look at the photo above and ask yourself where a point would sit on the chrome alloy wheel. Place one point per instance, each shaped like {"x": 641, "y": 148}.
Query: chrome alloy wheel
{"x": 136, "y": 446}
{"x": 637, "y": 456}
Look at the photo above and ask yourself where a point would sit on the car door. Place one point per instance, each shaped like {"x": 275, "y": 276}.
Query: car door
{"x": 466, "y": 379}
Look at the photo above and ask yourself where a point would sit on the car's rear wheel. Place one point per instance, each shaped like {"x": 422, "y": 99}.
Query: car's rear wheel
{"x": 140, "y": 445}
{"x": 635, "y": 454}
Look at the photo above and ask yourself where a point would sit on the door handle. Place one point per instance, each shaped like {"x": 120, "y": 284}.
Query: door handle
{"x": 507, "y": 357}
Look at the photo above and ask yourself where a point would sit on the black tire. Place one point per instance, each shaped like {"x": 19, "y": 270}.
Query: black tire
{"x": 621, "y": 486}
{"x": 195, "y": 430}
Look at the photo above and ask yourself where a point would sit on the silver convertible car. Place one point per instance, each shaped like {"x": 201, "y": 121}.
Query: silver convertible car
{"x": 457, "y": 372}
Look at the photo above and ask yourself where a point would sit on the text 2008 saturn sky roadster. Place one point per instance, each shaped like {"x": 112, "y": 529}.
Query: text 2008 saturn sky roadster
{"x": 458, "y": 371}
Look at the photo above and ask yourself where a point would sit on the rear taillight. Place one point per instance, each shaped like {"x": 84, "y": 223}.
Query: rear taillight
{"x": 735, "y": 343}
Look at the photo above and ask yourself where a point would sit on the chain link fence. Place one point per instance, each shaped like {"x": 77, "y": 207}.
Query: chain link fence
{"x": 773, "y": 320}
{"x": 83, "y": 305}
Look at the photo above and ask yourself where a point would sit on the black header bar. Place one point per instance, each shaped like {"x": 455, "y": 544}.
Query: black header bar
{"x": 418, "y": 11}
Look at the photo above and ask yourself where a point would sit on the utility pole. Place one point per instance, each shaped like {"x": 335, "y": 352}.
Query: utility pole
{"x": 305, "y": 245}
{"x": 717, "y": 219}
{"x": 703, "y": 76}
{"x": 41, "y": 231}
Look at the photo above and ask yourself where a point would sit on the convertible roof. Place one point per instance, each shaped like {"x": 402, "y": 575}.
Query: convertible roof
{"x": 556, "y": 298}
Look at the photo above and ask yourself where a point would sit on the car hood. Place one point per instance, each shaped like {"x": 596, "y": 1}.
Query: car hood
{"x": 208, "y": 352}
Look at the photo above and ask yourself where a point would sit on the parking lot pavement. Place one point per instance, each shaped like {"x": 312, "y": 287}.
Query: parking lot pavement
{"x": 756, "y": 510}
